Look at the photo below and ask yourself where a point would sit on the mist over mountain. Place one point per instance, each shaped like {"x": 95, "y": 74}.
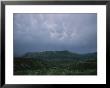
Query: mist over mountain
{"x": 55, "y": 43}
{"x": 54, "y": 31}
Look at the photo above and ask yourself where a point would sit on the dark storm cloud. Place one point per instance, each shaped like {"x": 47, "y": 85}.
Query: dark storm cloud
{"x": 41, "y": 32}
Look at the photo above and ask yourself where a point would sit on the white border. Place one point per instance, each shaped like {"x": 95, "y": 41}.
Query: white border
{"x": 101, "y": 44}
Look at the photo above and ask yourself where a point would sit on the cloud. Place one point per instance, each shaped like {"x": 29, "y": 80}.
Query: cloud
{"x": 76, "y": 32}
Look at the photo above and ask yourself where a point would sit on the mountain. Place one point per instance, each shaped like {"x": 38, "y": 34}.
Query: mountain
{"x": 59, "y": 55}
{"x": 90, "y": 55}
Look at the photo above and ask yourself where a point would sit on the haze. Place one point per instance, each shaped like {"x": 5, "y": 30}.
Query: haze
{"x": 75, "y": 32}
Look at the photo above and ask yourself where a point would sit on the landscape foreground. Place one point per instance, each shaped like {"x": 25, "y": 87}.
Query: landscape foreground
{"x": 56, "y": 63}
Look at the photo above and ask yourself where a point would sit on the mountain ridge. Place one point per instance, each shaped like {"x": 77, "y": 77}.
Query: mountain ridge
{"x": 59, "y": 55}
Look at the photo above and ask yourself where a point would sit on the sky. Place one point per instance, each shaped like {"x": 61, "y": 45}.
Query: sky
{"x": 34, "y": 32}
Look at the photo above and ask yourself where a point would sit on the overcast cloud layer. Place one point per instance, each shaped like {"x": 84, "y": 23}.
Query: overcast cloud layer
{"x": 45, "y": 32}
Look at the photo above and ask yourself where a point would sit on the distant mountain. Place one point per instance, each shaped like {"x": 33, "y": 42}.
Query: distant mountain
{"x": 90, "y": 55}
{"x": 59, "y": 55}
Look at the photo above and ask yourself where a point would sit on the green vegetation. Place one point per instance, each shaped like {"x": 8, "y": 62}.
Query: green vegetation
{"x": 55, "y": 63}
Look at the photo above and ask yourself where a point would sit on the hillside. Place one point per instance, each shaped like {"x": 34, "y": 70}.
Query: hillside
{"x": 59, "y": 55}
{"x": 56, "y": 63}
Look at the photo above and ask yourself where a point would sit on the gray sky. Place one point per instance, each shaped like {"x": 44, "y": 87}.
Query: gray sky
{"x": 76, "y": 32}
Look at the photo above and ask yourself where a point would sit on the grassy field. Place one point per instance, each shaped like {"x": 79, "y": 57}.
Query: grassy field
{"x": 29, "y": 66}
